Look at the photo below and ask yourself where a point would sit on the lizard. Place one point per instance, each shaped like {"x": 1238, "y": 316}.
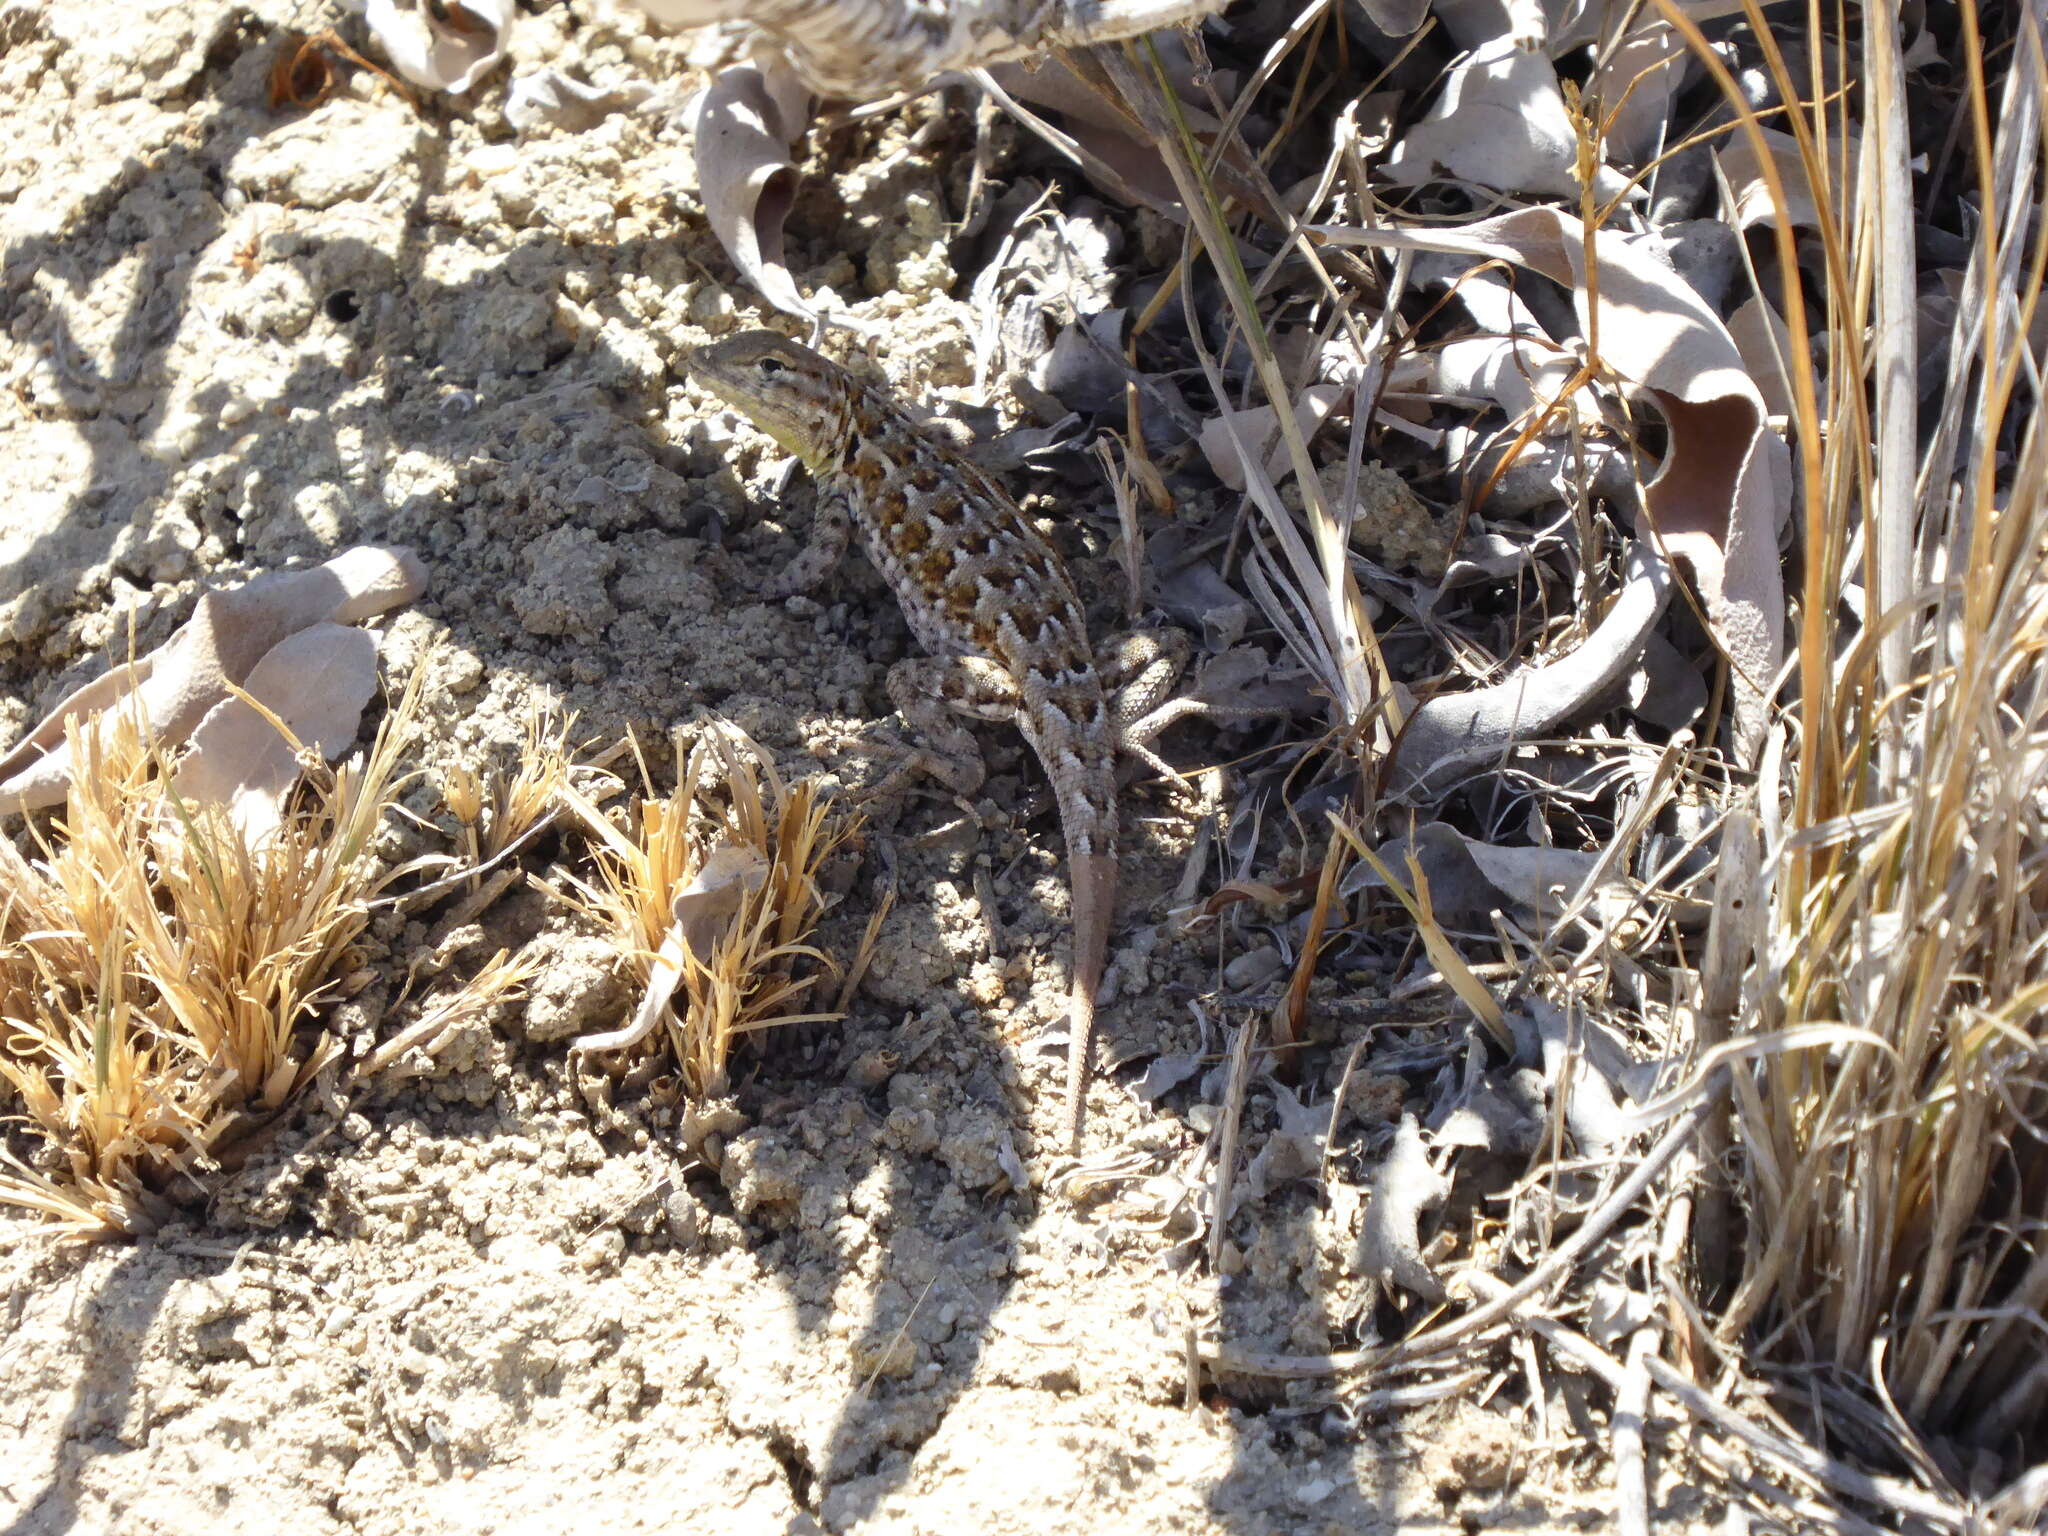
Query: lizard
{"x": 865, "y": 49}
{"x": 992, "y": 602}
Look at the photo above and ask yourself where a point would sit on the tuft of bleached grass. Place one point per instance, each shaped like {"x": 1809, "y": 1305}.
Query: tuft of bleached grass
{"x": 158, "y": 974}
{"x": 1895, "y": 1191}
{"x": 712, "y": 892}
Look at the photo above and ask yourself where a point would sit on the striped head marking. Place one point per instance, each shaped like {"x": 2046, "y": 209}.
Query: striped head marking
{"x": 795, "y": 395}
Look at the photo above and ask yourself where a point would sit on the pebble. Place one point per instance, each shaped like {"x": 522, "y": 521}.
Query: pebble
{"x": 1248, "y": 970}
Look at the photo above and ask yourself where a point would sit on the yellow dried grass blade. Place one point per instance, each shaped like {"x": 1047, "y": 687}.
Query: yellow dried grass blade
{"x": 1442, "y": 953}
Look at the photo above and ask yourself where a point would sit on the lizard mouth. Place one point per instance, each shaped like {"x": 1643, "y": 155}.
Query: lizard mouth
{"x": 719, "y": 380}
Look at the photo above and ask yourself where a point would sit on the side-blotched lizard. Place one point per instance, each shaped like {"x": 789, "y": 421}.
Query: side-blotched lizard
{"x": 987, "y": 596}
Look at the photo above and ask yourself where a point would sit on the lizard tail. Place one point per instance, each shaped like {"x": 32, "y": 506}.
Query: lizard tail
{"x": 1094, "y": 887}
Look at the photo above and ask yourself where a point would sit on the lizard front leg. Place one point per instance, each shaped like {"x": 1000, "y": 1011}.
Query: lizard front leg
{"x": 831, "y": 525}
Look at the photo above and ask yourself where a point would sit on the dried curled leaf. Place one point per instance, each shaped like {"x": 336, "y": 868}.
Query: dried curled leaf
{"x": 1639, "y": 79}
{"x": 712, "y": 895}
{"x": 1754, "y": 201}
{"x": 701, "y": 914}
{"x": 1471, "y": 880}
{"x": 1097, "y": 129}
{"x": 745, "y": 126}
{"x": 1478, "y": 725}
{"x": 175, "y": 686}
{"x": 1579, "y": 1065}
{"x": 1501, "y": 123}
{"x": 1396, "y": 18}
{"x": 1261, "y": 424}
{"x": 549, "y": 98}
{"x": 315, "y": 685}
{"x": 1401, "y": 1189}
{"x": 447, "y": 45}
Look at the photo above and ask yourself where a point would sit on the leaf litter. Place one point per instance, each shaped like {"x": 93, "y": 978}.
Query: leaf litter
{"x": 192, "y": 686}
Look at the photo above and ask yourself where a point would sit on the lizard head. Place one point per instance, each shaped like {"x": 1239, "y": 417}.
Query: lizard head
{"x": 788, "y": 391}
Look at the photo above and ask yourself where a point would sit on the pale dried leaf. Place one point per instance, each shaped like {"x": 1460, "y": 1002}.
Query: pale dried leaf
{"x": 31, "y": 760}
{"x": 1084, "y": 368}
{"x": 1396, "y": 18}
{"x": 1165, "y": 1074}
{"x": 446, "y": 52}
{"x": 1195, "y": 593}
{"x": 704, "y": 909}
{"x": 1516, "y": 23}
{"x": 550, "y": 98}
{"x": 1401, "y": 1188}
{"x": 1761, "y": 336}
{"x": 1615, "y": 1311}
{"x": 1488, "y": 1120}
{"x": 1593, "y": 1111}
{"x": 745, "y": 125}
{"x": 1296, "y": 1118}
{"x": 700, "y": 915}
{"x": 1546, "y": 471}
{"x": 316, "y": 683}
{"x": 176, "y": 685}
{"x": 1665, "y": 688}
{"x": 1743, "y": 170}
{"x": 1726, "y": 479}
{"x": 1284, "y": 1158}
{"x": 1261, "y": 424}
{"x": 1500, "y": 123}
{"x": 1520, "y": 374}
{"x": 1093, "y": 131}
{"x": 1480, "y": 725}
{"x": 1636, "y": 83}
{"x": 1469, "y": 880}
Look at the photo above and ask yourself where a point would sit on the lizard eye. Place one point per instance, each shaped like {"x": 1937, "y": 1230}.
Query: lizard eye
{"x": 771, "y": 365}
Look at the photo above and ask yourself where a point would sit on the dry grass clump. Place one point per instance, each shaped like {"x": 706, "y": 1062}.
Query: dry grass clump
{"x": 1896, "y": 1191}
{"x": 712, "y": 891}
{"x": 499, "y": 813}
{"x": 157, "y": 973}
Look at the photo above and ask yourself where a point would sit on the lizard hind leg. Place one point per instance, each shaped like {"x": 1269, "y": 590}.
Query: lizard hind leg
{"x": 1139, "y": 672}
{"x": 1148, "y": 704}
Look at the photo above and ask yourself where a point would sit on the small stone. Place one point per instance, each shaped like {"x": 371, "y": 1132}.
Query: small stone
{"x": 1252, "y": 968}
{"x": 684, "y": 1228}
{"x": 873, "y": 1068}
{"x": 1314, "y": 1491}
{"x": 579, "y": 993}
{"x": 565, "y": 590}
{"x": 602, "y": 1250}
